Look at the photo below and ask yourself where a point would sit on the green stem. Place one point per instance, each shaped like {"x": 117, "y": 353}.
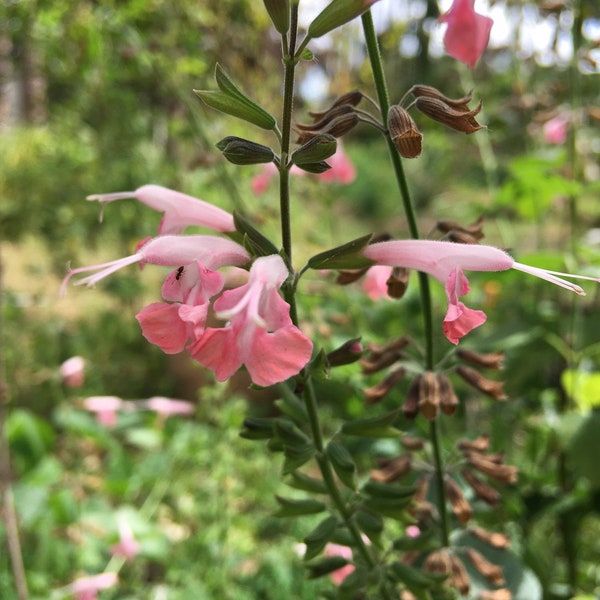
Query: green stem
{"x": 333, "y": 490}
{"x": 384, "y": 103}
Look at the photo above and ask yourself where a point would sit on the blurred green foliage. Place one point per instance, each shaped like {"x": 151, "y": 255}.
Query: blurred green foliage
{"x": 120, "y": 113}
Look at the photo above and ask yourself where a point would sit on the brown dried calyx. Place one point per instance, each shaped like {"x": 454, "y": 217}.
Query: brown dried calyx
{"x": 404, "y": 132}
{"x": 454, "y": 113}
{"x": 460, "y": 507}
{"x": 493, "y": 389}
{"x": 392, "y": 469}
{"x": 462, "y": 234}
{"x": 377, "y": 392}
{"x": 446, "y": 562}
{"x": 491, "y": 360}
{"x": 492, "y": 572}
{"x": 428, "y": 393}
{"x": 378, "y": 358}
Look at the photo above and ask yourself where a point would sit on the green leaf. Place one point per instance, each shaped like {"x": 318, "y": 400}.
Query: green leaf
{"x": 370, "y": 523}
{"x": 342, "y": 463}
{"x": 379, "y": 489}
{"x": 258, "y": 428}
{"x": 346, "y": 256}
{"x": 228, "y": 87}
{"x": 296, "y": 456}
{"x": 317, "y": 539}
{"x": 317, "y": 149}
{"x": 290, "y": 507}
{"x": 325, "y": 566}
{"x": 301, "y": 481}
{"x": 378, "y": 427}
{"x": 337, "y": 13}
{"x": 259, "y": 244}
{"x": 414, "y": 579}
{"x": 394, "y": 508}
{"x": 584, "y": 449}
{"x": 291, "y": 405}
{"x": 583, "y": 387}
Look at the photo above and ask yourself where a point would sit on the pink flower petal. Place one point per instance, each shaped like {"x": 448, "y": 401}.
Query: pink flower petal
{"x": 180, "y": 210}
{"x": 468, "y": 32}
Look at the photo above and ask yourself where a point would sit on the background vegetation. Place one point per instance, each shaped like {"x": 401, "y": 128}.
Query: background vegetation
{"x": 96, "y": 97}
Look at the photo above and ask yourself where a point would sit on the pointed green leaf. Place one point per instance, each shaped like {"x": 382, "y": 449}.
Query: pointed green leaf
{"x": 259, "y": 244}
{"x": 257, "y": 428}
{"x": 394, "y": 508}
{"x": 289, "y": 434}
{"x": 301, "y": 481}
{"x": 379, "y": 489}
{"x": 325, "y": 566}
{"x": 342, "y": 463}
{"x": 370, "y": 523}
{"x": 411, "y": 577}
{"x": 296, "y": 456}
{"x": 347, "y": 256}
{"x": 235, "y": 107}
{"x": 317, "y": 539}
{"x": 291, "y": 405}
{"x": 337, "y": 13}
{"x": 378, "y": 427}
{"x": 290, "y": 507}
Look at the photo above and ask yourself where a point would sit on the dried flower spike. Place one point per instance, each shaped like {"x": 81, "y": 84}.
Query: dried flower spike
{"x": 404, "y": 132}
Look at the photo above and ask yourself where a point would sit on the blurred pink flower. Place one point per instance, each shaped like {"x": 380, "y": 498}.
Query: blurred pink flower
{"x": 375, "y": 282}
{"x": 127, "y": 546}
{"x": 87, "y": 588}
{"x": 446, "y": 261}
{"x": 169, "y": 250}
{"x": 468, "y": 32}
{"x": 72, "y": 372}
{"x": 340, "y": 574}
{"x": 105, "y": 408}
{"x": 180, "y": 210}
{"x": 555, "y": 130}
{"x": 261, "y": 182}
{"x": 259, "y": 334}
{"x": 166, "y": 407}
{"x": 342, "y": 170}
{"x": 413, "y": 531}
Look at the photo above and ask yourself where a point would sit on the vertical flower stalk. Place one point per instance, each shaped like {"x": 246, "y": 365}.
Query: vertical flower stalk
{"x": 384, "y": 105}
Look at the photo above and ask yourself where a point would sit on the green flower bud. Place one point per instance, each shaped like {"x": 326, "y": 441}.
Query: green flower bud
{"x": 315, "y": 150}
{"x": 337, "y": 13}
{"x": 279, "y": 11}
{"x": 244, "y": 152}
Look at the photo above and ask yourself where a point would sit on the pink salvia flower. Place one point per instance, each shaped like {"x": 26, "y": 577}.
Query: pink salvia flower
{"x": 127, "y": 546}
{"x": 171, "y": 326}
{"x": 87, "y": 588}
{"x": 468, "y": 32}
{"x": 105, "y": 408}
{"x": 375, "y": 282}
{"x": 446, "y": 261}
{"x": 72, "y": 372}
{"x": 165, "y": 407}
{"x": 180, "y": 210}
{"x": 342, "y": 170}
{"x": 259, "y": 334}
{"x": 169, "y": 250}
{"x": 555, "y": 130}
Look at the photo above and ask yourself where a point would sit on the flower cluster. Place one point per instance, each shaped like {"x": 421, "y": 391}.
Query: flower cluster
{"x": 259, "y": 333}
